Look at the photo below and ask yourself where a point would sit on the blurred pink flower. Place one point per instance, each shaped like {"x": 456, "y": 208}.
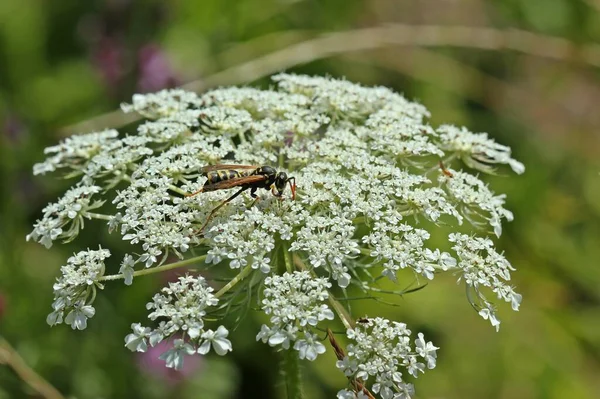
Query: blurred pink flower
{"x": 154, "y": 70}
{"x": 13, "y": 128}
{"x": 150, "y": 363}
{"x": 108, "y": 58}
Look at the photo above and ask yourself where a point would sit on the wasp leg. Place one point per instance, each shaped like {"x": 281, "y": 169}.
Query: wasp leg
{"x": 210, "y": 215}
{"x": 195, "y": 192}
{"x": 253, "y": 195}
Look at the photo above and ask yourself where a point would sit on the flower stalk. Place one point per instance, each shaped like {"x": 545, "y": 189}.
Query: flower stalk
{"x": 293, "y": 375}
{"x": 157, "y": 269}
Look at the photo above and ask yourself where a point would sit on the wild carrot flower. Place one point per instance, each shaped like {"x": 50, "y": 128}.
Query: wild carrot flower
{"x": 374, "y": 182}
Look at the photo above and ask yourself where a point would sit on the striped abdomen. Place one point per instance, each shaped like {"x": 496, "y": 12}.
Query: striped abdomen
{"x": 217, "y": 176}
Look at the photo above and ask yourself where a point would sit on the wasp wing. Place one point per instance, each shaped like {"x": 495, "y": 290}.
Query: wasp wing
{"x": 211, "y": 168}
{"x": 239, "y": 181}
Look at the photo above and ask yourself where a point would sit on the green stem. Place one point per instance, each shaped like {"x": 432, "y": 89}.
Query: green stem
{"x": 365, "y": 251}
{"x": 10, "y": 357}
{"x": 125, "y": 176}
{"x": 158, "y": 269}
{"x": 98, "y": 216}
{"x": 291, "y": 366}
{"x": 241, "y": 275}
{"x": 341, "y": 312}
{"x": 177, "y": 190}
{"x": 287, "y": 257}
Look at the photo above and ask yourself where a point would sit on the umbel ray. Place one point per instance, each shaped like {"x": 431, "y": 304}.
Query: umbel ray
{"x": 253, "y": 177}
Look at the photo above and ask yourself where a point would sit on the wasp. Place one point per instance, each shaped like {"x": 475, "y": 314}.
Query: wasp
{"x": 252, "y": 177}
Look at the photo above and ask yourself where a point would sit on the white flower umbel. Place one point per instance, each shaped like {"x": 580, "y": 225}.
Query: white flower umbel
{"x": 476, "y": 149}
{"x": 295, "y": 303}
{"x": 65, "y": 218}
{"x": 180, "y": 309}
{"x": 379, "y": 350}
{"x": 476, "y": 200}
{"x": 75, "y": 290}
{"x": 482, "y": 266}
{"x": 374, "y": 183}
{"x": 74, "y": 151}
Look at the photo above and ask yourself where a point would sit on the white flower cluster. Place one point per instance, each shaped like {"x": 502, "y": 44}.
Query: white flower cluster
{"x": 400, "y": 246}
{"x": 368, "y": 170}
{"x": 162, "y": 104}
{"x": 151, "y": 219}
{"x": 75, "y": 150}
{"x": 346, "y": 100}
{"x": 71, "y": 210}
{"x": 75, "y": 290}
{"x": 476, "y": 149}
{"x": 180, "y": 309}
{"x": 476, "y": 200}
{"x": 295, "y": 303}
{"x": 482, "y": 266}
{"x": 379, "y": 349}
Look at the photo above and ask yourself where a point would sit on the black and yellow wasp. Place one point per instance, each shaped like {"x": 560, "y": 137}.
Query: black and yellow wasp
{"x": 246, "y": 177}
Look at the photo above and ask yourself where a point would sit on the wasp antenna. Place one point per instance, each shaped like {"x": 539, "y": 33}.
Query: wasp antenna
{"x": 292, "y": 187}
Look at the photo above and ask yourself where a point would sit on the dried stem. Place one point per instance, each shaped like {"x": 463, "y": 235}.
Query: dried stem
{"x": 594, "y": 3}
{"x": 331, "y": 44}
{"x": 10, "y": 357}
{"x": 340, "y": 355}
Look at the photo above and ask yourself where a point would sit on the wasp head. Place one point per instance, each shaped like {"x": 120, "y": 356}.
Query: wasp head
{"x": 281, "y": 179}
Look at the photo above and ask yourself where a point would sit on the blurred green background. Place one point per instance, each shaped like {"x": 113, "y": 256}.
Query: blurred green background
{"x": 66, "y": 65}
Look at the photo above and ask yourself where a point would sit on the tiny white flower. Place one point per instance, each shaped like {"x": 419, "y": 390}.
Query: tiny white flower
{"x": 309, "y": 347}
{"x": 347, "y": 366}
{"x": 77, "y": 317}
{"x": 426, "y": 350}
{"x": 217, "y": 339}
{"x": 127, "y": 269}
{"x": 54, "y": 318}
{"x": 262, "y": 264}
{"x": 413, "y": 366}
{"x": 346, "y": 394}
{"x": 489, "y": 314}
{"x": 264, "y": 334}
{"x": 137, "y": 341}
{"x": 174, "y": 357}
{"x": 406, "y": 391}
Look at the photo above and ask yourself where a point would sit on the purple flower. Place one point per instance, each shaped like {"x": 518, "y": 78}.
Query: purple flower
{"x": 155, "y": 72}
{"x": 108, "y": 58}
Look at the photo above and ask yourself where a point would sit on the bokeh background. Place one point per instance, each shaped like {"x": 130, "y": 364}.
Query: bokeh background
{"x": 525, "y": 71}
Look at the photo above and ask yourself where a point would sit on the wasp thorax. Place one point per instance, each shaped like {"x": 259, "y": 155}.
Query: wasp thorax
{"x": 267, "y": 171}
